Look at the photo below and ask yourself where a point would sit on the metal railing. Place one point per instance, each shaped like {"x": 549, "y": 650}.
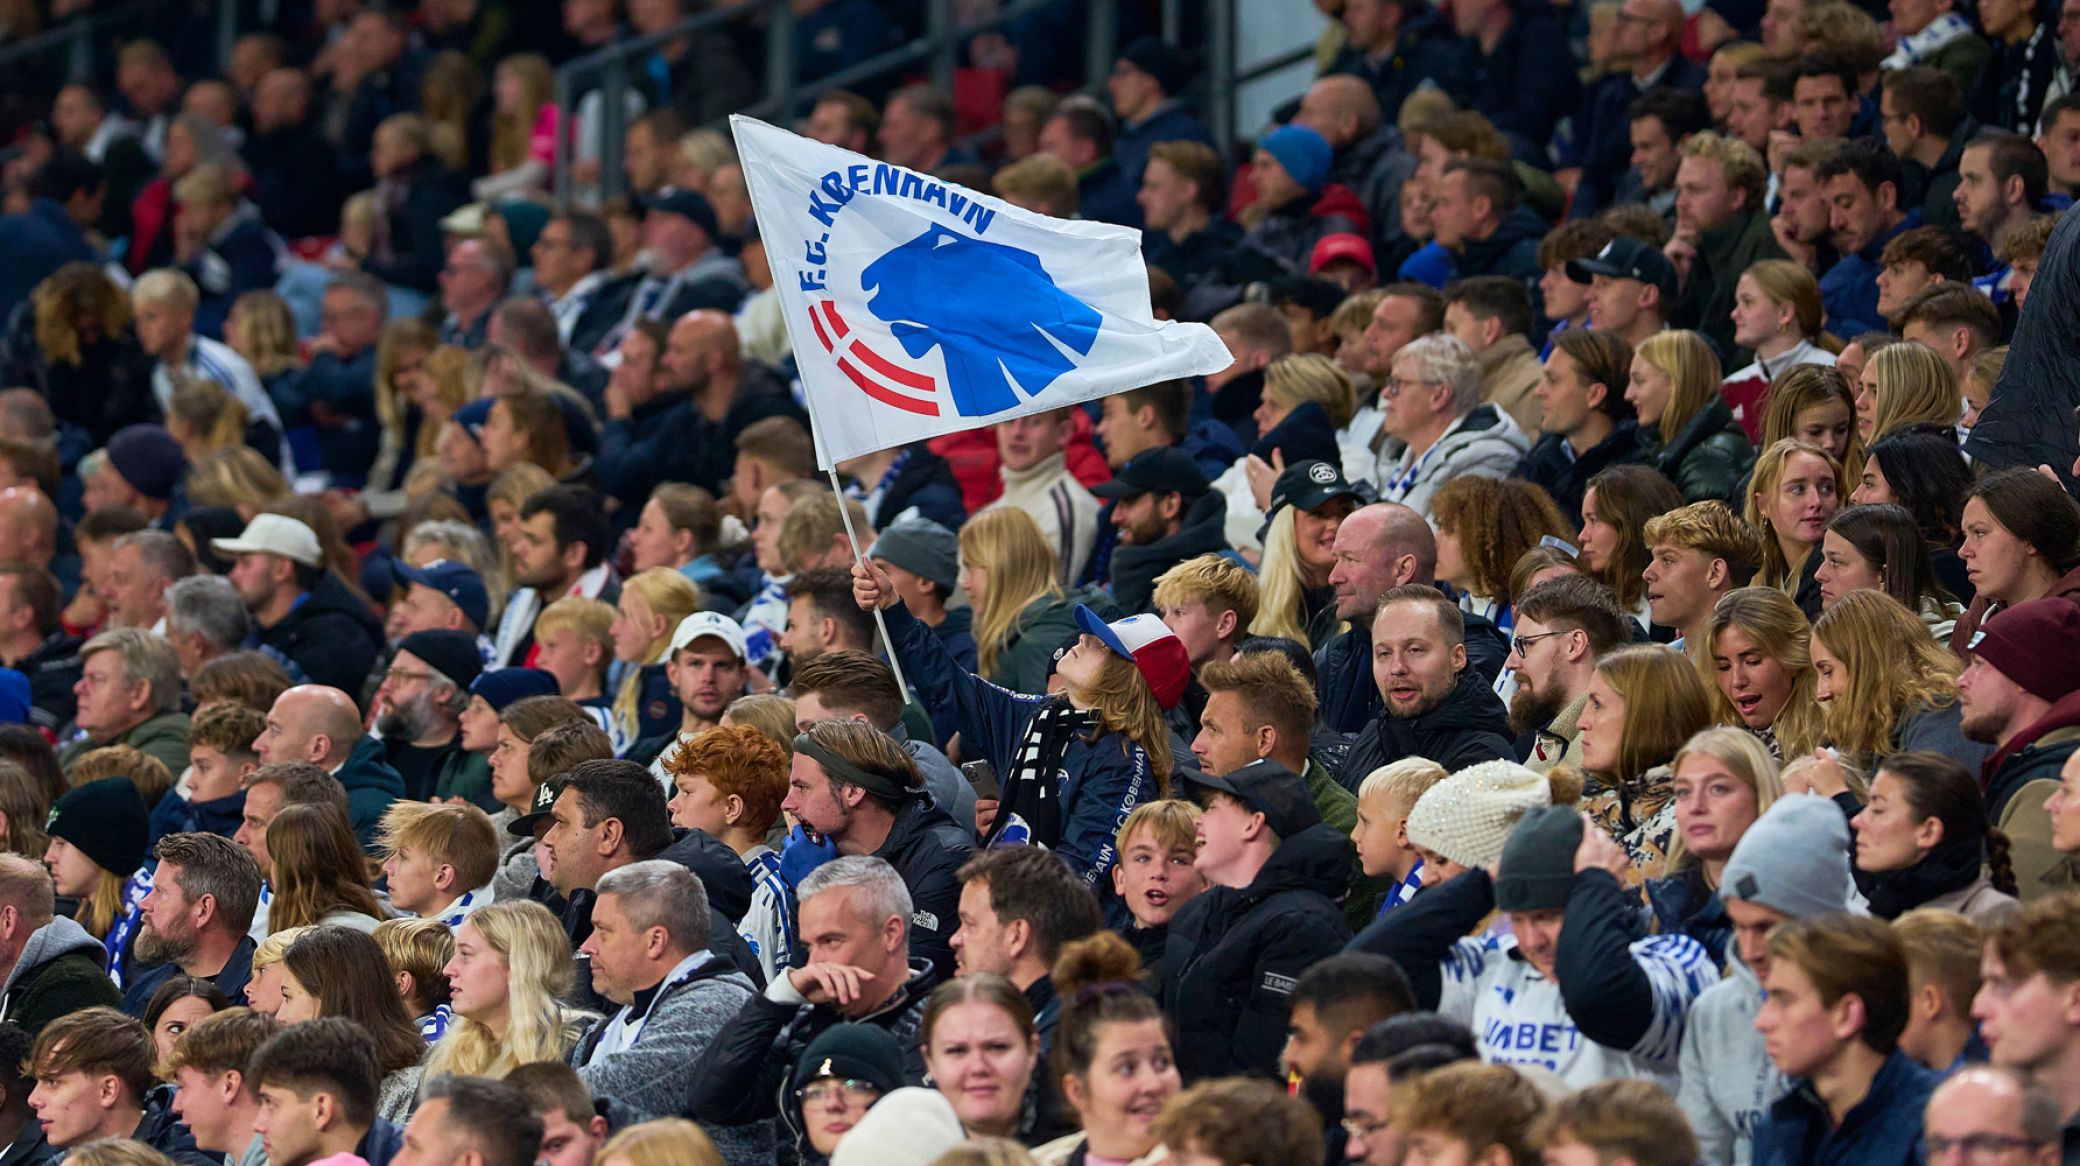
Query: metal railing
{"x": 76, "y": 40}
{"x": 610, "y": 70}
{"x": 934, "y": 54}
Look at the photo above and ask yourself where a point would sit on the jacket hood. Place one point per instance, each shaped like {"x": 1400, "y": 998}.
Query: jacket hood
{"x": 1520, "y": 224}
{"x": 368, "y": 767}
{"x": 717, "y": 866}
{"x": 58, "y": 938}
{"x": 1214, "y": 446}
{"x": 1715, "y": 418}
{"x": 1304, "y": 435}
{"x": 1472, "y": 705}
{"x": 915, "y": 821}
{"x": 1483, "y": 423}
{"x": 1048, "y": 616}
{"x": 332, "y": 595}
{"x": 1338, "y": 199}
{"x": 1316, "y": 859}
{"x": 2065, "y": 713}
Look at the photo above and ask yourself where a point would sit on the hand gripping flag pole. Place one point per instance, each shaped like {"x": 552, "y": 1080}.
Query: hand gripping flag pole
{"x": 859, "y": 553}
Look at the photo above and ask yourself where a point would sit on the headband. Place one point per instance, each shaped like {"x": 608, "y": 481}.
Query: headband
{"x": 846, "y": 772}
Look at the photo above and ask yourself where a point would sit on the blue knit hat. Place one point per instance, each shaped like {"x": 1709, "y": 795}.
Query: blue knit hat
{"x": 1303, "y": 152}
{"x": 502, "y": 686}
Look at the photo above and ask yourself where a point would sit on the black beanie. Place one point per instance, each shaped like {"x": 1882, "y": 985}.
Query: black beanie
{"x": 107, "y": 821}
{"x": 857, "y": 1051}
{"x": 1537, "y": 867}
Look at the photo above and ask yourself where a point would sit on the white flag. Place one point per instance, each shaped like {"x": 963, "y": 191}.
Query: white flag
{"x": 917, "y": 307}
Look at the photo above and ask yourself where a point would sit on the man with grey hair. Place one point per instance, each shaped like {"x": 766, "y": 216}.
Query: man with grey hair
{"x": 195, "y": 918}
{"x": 1437, "y": 426}
{"x": 142, "y": 566}
{"x": 1992, "y": 1113}
{"x": 205, "y": 619}
{"x": 320, "y": 725}
{"x": 129, "y": 693}
{"x": 855, "y": 922}
{"x": 649, "y": 952}
{"x": 51, "y": 965}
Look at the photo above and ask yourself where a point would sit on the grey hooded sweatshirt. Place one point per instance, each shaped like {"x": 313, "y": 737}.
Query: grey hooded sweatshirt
{"x": 1794, "y": 860}
{"x": 61, "y": 970}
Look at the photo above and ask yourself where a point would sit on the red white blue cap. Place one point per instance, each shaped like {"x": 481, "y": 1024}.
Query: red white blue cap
{"x": 1156, "y": 651}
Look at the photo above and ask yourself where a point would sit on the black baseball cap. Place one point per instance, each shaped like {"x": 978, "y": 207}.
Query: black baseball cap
{"x": 1628, "y": 258}
{"x": 690, "y": 204}
{"x": 1269, "y": 789}
{"x": 1309, "y": 484}
{"x": 538, "y": 810}
{"x": 1165, "y": 469}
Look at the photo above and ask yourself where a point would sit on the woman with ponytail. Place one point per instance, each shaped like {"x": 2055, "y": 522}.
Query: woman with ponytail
{"x": 1923, "y": 840}
{"x": 1111, "y": 1059}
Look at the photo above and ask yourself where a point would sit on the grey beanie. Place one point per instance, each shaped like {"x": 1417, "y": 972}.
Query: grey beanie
{"x": 921, "y": 547}
{"x": 1794, "y": 859}
{"x": 1537, "y": 868}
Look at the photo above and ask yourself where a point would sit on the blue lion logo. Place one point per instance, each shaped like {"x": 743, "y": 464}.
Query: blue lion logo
{"x": 991, "y": 310}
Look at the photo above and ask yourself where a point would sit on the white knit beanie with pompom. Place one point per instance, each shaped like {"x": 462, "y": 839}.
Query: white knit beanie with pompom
{"x": 1467, "y": 816}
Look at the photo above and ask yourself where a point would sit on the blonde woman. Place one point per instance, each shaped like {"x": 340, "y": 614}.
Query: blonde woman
{"x": 1759, "y": 652}
{"x": 402, "y": 355}
{"x": 1905, "y": 384}
{"x": 1302, "y": 394}
{"x": 237, "y": 478}
{"x": 1724, "y": 780}
{"x": 651, "y": 605}
{"x": 1697, "y": 442}
{"x": 512, "y": 968}
{"x": 1295, "y": 598}
{"x": 524, "y": 125}
{"x": 262, "y": 329}
{"x": 1777, "y": 314}
{"x": 1795, "y": 493}
{"x": 1641, "y": 704}
{"x": 204, "y": 417}
{"x": 1884, "y": 684}
{"x": 508, "y": 492}
{"x": 1021, "y": 613}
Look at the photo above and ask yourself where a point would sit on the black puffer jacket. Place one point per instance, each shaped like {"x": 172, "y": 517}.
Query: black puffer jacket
{"x": 1709, "y": 456}
{"x": 1470, "y": 727}
{"x": 1234, "y": 955}
{"x": 748, "y": 1066}
{"x": 927, "y": 847}
{"x": 332, "y": 636}
{"x": 1134, "y": 568}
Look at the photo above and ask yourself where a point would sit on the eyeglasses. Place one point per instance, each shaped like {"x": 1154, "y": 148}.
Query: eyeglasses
{"x": 1395, "y": 386}
{"x": 1977, "y": 1147}
{"x": 829, "y": 1089}
{"x": 1363, "y": 1130}
{"x": 1519, "y": 644}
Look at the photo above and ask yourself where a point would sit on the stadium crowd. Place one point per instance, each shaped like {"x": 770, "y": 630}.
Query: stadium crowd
{"x": 1584, "y": 685}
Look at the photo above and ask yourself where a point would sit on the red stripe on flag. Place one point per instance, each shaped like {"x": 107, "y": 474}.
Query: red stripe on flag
{"x": 830, "y": 308}
{"x": 896, "y": 373}
{"x": 884, "y": 395}
{"x": 816, "y": 322}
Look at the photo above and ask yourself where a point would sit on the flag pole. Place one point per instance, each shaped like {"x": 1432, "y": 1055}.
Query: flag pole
{"x": 859, "y": 553}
